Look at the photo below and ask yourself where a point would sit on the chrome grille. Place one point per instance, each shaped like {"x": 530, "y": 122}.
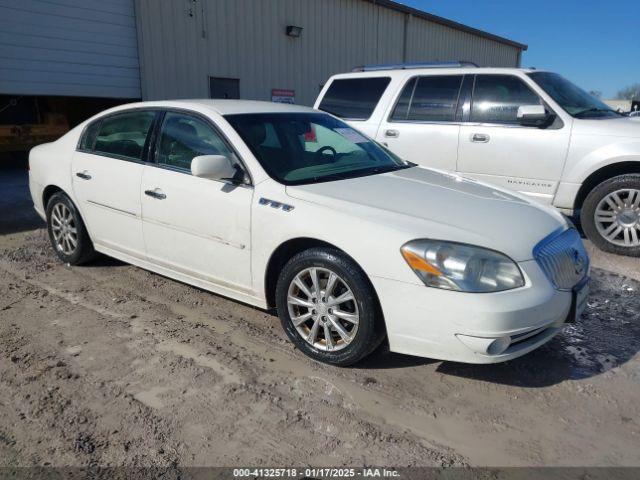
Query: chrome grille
{"x": 563, "y": 258}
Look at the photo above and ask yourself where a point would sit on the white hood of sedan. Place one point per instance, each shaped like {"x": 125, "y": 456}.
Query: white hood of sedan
{"x": 426, "y": 203}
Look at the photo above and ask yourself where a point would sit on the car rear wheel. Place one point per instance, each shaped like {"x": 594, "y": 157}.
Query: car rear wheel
{"x": 67, "y": 232}
{"x": 610, "y": 215}
{"x": 328, "y": 307}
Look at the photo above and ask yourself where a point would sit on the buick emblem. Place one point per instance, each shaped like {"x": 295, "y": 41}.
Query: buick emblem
{"x": 579, "y": 261}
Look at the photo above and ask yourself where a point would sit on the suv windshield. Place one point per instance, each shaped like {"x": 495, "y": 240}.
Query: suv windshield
{"x": 298, "y": 148}
{"x": 575, "y": 101}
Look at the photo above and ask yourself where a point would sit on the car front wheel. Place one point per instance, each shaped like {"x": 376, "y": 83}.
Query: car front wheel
{"x": 328, "y": 307}
{"x": 67, "y": 232}
{"x": 610, "y": 215}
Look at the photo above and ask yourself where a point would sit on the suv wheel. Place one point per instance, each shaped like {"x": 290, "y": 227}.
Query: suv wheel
{"x": 328, "y": 308}
{"x": 67, "y": 232}
{"x": 610, "y": 215}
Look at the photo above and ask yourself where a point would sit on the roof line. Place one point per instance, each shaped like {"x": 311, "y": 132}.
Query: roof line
{"x": 399, "y": 7}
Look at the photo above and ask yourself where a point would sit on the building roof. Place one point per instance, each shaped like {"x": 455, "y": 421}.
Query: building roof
{"x": 399, "y": 7}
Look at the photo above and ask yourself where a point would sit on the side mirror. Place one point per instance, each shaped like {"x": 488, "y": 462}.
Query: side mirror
{"x": 533, "y": 116}
{"x": 213, "y": 167}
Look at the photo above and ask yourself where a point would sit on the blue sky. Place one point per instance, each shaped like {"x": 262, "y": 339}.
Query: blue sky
{"x": 596, "y": 44}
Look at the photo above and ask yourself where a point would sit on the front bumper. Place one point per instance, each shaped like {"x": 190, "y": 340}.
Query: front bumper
{"x": 464, "y": 327}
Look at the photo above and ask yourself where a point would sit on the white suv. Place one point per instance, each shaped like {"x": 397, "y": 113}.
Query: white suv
{"x": 528, "y": 130}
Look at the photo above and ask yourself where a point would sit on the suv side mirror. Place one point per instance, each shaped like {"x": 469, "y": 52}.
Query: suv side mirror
{"x": 213, "y": 167}
{"x": 533, "y": 116}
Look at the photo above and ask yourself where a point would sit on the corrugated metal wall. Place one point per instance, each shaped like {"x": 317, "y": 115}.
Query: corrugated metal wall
{"x": 183, "y": 42}
{"x": 69, "y": 47}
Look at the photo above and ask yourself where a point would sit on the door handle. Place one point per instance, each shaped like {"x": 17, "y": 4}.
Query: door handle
{"x": 480, "y": 138}
{"x": 83, "y": 175}
{"x": 156, "y": 193}
{"x": 391, "y": 133}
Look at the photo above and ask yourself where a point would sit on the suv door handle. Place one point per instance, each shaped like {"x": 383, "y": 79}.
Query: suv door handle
{"x": 391, "y": 133}
{"x": 480, "y": 138}
{"x": 83, "y": 175}
{"x": 155, "y": 193}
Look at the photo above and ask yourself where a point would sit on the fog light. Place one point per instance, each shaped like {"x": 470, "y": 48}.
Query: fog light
{"x": 486, "y": 346}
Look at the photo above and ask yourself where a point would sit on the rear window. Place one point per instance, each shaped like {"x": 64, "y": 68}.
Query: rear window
{"x": 433, "y": 99}
{"x": 124, "y": 135}
{"x": 354, "y": 98}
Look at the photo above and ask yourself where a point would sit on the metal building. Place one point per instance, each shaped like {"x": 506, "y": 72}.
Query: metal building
{"x": 261, "y": 49}
{"x": 63, "y": 60}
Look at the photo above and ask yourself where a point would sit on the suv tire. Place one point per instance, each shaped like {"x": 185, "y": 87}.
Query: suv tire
{"x": 610, "y": 215}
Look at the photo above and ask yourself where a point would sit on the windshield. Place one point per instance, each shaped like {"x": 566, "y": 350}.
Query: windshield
{"x": 297, "y": 148}
{"x": 572, "y": 98}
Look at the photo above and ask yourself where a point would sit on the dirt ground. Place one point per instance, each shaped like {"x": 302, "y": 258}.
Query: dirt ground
{"x": 108, "y": 364}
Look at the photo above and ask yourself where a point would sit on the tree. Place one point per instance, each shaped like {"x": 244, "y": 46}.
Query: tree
{"x": 630, "y": 93}
{"x": 596, "y": 93}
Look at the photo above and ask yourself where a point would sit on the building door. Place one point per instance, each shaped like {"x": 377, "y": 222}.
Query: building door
{"x": 227, "y": 88}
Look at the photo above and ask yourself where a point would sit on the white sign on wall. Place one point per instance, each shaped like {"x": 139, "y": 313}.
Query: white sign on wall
{"x": 283, "y": 95}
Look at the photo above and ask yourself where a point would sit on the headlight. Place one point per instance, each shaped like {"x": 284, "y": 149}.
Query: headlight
{"x": 465, "y": 268}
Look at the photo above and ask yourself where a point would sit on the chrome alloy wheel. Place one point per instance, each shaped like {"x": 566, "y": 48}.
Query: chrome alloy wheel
{"x": 617, "y": 217}
{"x": 322, "y": 308}
{"x": 63, "y": 227}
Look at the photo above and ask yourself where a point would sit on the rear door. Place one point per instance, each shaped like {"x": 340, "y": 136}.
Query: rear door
{"x": 422, "y": 125}
{"x": 107, "y": 173}
{"x": 494, "y": 147}
{"x": 193, "y": 225}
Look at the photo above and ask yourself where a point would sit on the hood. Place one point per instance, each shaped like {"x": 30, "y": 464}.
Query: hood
{"x": 628, "y": 127}
{"x": 427, "y": 203}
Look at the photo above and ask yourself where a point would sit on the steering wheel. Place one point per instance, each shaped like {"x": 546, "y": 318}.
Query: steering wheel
{"x": 328, "y": 148}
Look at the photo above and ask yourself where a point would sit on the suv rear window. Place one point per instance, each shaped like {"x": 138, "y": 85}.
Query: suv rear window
{"x": 433, "y": 99}
{"x": 354, "y": 98}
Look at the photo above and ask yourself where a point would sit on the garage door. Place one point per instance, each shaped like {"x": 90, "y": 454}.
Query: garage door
{"x": 69, "y": 47}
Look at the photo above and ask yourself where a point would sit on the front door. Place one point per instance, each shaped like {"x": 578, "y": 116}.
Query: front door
{"x": 193, "y": 225}
{"x": 422, "y": 126}
{"x": 495, "y": 148}
{"x": 107, "y": 174}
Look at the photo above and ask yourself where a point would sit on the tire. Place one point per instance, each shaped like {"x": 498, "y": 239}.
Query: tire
{"x": 600, "y": 220}
{"x": 63, "y": 214}
{"x": 360, "y": 318}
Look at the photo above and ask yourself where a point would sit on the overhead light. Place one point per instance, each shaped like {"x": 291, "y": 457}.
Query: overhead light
{"x": 293, "y": 31}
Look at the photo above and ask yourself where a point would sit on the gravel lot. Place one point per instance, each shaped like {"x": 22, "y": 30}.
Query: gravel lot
{"x": 108, "y": 364}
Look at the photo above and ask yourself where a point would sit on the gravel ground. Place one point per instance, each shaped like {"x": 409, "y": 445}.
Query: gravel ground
{"x": 108, "y": 364}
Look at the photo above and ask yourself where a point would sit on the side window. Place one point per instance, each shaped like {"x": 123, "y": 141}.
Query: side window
{"x": 89, "y": 136}
{"x": 124, "y": 134}
{"x": 184, "y": 137}
{"x": 401, "y": 110}
{"x": 435, "y": 98}
{"x": 354, "y": 98}
{"x": 496, "y": 99}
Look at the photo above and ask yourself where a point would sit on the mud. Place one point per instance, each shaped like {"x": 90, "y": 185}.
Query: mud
{"x": 108, "y": 364}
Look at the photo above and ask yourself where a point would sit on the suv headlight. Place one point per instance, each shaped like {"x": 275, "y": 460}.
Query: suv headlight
{"x": 461, "y": 267}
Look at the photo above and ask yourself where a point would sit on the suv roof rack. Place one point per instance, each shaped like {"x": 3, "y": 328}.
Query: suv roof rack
{"x": 406, "y": 66}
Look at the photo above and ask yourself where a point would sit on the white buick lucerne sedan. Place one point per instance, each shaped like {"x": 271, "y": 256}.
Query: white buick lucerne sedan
{"x": 289, "y": 208}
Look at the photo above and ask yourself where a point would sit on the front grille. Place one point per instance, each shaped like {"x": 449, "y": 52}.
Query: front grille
{"x": 563, "y": 258}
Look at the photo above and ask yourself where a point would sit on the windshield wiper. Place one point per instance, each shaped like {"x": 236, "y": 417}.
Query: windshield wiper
{"x": 594, "y": 110}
